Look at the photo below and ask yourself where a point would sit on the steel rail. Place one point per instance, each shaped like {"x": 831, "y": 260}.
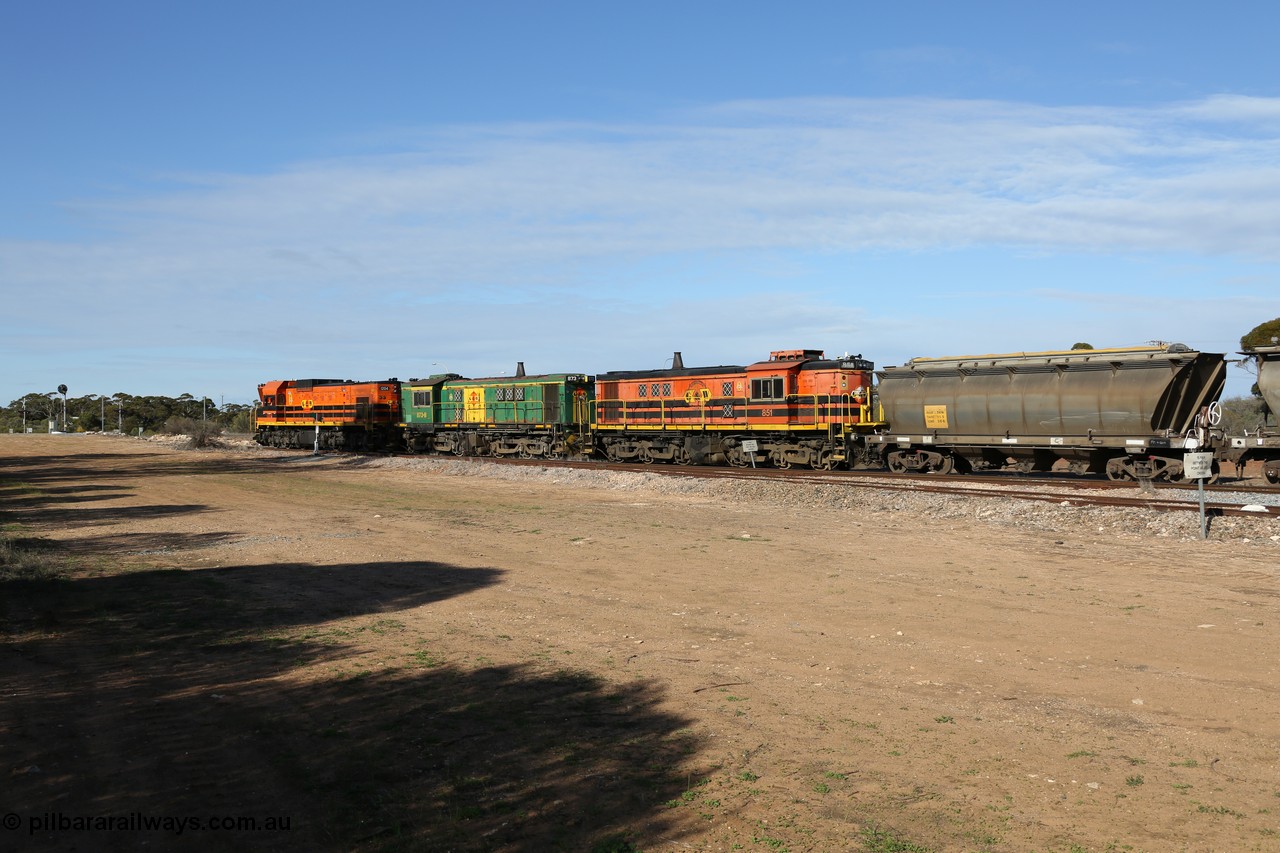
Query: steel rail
{"x": 962, "y": 485}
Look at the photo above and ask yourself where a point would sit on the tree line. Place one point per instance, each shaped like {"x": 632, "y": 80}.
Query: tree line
{"x": 119, "y": 412}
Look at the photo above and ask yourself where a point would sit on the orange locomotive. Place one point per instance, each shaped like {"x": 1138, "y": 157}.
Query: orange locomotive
{"x": 335, "y": 413}
{"x": 797, "y": 408}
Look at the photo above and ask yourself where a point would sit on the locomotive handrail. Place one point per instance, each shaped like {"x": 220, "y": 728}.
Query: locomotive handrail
{"x": 625, "y": 408}
{"x": 457, "y": 413}
{"x": 842, "y": 410}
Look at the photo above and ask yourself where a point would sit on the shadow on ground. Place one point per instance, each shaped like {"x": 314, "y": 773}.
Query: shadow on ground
{"x": 45, "y": 471}
{"x": 245, "y": 692}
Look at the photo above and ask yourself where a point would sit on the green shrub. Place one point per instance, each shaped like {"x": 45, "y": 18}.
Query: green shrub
{"x": 1261, "y": 334}
{"x": 202, "y": 433}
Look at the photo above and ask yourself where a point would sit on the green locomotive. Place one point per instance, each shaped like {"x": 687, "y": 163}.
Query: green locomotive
{"x": 547, "y": 416}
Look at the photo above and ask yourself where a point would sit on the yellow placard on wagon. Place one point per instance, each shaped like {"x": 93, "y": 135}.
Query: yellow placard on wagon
{"x": 935, "y": 417}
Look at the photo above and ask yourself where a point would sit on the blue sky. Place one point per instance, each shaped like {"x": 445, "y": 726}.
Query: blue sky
{"x": 201, "y": 197}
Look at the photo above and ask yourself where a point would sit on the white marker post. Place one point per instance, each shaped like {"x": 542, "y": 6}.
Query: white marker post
{"x": 749, "y": 447}
{"x": 1200, "y": 467}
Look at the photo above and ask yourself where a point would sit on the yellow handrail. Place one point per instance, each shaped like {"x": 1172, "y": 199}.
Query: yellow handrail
{"x": 841, "y": 410}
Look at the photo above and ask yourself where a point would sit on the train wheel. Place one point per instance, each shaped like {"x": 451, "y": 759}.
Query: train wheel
{"x": 895, "y": 464}
{"x": 946, "y": 466}
{"x": 1272, "y": 475}
{"x": 1116, "y": 470}
{"x": 824, "y": 460}
{"x": 680, "y": 456}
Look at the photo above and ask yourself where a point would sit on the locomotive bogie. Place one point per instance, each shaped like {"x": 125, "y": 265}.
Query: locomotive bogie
{"x": 326, "y": 437}
{"x": 544, "y": 444}
{"x": 784, "y": 451}
{"x": 680, "y": 448}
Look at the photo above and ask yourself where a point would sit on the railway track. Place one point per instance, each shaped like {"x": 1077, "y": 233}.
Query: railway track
{"x": 1074, "y": 491}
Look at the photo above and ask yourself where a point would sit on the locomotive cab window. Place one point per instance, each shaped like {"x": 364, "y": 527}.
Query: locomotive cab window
{"x": 421, "y": 398}
{"x": 772, "y": 388}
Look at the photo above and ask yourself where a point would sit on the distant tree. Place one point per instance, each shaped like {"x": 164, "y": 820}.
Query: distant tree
{"x": 1081, "y": 345}
{"x": 87, "y": 413}
{"x": 123, "y": 411}
{"x": 235, "y": 417}
{"x": 1242, "y": 415}
{"x": 187, "y": 406}
{"x": 40, "y": 408}
{"x": 1263, "y": 335}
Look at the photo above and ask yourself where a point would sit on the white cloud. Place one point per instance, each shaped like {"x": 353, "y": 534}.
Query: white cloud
{"x": 845, "y": 175}
{"x": 505, "y": 213}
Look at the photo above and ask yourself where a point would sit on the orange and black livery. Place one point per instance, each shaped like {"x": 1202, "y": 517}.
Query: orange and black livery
{"x": 797, "y": 408}
{"x": 335, "y": 413}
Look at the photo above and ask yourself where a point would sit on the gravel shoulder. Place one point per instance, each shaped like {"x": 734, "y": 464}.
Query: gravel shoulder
{"x": 442, "y": 654}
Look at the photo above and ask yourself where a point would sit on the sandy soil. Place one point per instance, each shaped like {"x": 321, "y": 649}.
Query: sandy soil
{"x": 392, "y": 658}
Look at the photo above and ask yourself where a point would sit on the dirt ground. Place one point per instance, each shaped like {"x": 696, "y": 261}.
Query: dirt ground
{"x": 398, "y": 659}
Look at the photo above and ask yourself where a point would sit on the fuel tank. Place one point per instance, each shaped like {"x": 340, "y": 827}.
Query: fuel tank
{"x": 1137, "y": 391}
